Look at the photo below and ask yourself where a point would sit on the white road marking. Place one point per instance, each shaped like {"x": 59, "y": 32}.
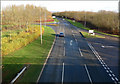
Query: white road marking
{"x": 105, "y": 68}
{"x": 64, "y": 51}
{"x": 109, "y": 68}
{"x": 110, "y": 75}
{"x": 80, "y": 52}
{"x": 103, "y": 63}
{"x": 107, "y": 46}
{"x": 73, "y": 35}
{"x": 76, "y": 40}
{"x": 64, "y": 41}
{"x": 88, "y": 74}
{"x": 107, "y": 71}
{"x": 110, "y": 71}
{"x": 63, "y": 73}
{"x": 71, "y": 42}
{"x": 113, "y": 74}
{"x": 112, "y": 78}
{"x": 116, "y": 78}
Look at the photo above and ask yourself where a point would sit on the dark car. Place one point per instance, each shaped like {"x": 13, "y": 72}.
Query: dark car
{"x": 61, "y": 34}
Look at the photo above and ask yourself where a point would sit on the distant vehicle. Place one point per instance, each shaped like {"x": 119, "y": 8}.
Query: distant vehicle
{"x": 61, "y": 34}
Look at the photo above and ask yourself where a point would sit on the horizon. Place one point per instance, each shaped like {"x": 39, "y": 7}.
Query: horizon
{"x": 55, "y": 6}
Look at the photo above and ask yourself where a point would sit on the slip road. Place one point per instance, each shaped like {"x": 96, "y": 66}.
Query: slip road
{"x": 74, "y": 60}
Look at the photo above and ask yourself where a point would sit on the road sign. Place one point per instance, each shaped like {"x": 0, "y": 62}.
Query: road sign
{"x": 53, "y": 17}
{"x": 91, "y": 32}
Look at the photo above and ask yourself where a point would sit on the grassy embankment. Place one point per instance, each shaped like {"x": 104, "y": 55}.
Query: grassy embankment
{"x": 79, "y": 25}
{"x": 34, "y": 54}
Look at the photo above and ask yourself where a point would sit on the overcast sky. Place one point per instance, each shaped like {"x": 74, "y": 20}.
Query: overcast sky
{"x": 69, "y": 5}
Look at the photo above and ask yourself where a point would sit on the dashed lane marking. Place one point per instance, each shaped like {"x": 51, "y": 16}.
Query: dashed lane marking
{"x": 80, "y": 52}
{"x": 63, "y": 74}
{"x": 64, "y": 51}
{"x": 88, "y": 74}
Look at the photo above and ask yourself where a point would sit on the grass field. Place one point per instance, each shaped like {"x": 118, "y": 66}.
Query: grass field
{"x": 79, "y": 25}
{"x": 34, "y": 54}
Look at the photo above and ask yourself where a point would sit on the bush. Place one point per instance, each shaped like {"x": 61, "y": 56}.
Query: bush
{"x": 21, "y": 39}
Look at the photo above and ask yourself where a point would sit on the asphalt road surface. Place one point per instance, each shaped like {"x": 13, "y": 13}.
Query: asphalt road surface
{"x": 75, "y": 60}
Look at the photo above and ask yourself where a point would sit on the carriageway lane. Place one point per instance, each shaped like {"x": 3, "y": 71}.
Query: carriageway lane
{"x": 74, "y": 71}
{"x": 108, "y": 49}
{"x": 52, "y": 72}
{"x": 95, "y": 64}
{"x": 62, "y": 66}
{"x": 72, "y": 60}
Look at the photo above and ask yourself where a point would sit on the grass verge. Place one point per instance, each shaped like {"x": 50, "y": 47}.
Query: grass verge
{"x": 33, "y": 54}
{"x": 87, "y": 35}
{"x": 79, "y": 25}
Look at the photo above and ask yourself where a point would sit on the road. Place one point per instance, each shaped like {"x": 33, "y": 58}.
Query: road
{"x": 75, "y": 60}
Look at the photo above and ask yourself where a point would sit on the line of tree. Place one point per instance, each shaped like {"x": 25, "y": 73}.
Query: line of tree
{"x": 19, "y": 16}
{"x": 105, "y": 21}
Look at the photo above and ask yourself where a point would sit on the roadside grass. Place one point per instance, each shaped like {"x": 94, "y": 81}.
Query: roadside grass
{"x": 87, "y": 35}
{"x": 34, "y": 54}
{"x": 56, "y": 19}
{"x": 79, "y": 25}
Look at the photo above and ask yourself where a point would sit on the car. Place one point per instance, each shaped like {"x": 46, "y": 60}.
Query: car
{"x": 61, "y": 34}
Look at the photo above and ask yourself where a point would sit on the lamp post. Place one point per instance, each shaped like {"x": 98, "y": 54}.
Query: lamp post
{"x": 45, "y": 18}
{"x": 85, "y": 20}
{"x": 40, "y": 27}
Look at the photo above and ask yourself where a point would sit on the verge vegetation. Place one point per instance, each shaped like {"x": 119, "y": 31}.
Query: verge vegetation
{"x": 17, "y": 39}
{"x": 102, "y": 21}
{"x": 79, "y": 25}
{"x": 34, "y": 54}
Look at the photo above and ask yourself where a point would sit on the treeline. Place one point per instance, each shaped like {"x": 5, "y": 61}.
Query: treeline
{"x": 105, "y": 21}
{"x": 20, "y": 16}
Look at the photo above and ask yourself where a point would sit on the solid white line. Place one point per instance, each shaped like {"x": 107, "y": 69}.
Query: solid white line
{"x": 80, "y": 52}
{"x": 88, "y": 74}
{"x": 63, "y": 73}
{"x": 64, "y": 51}
{"x": 45, "y": 61}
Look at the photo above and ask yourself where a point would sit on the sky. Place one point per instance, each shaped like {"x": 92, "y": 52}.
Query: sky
{"x": 58, "y": 6}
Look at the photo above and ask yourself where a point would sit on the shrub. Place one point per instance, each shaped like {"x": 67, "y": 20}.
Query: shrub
{"x": 20, "y": 39}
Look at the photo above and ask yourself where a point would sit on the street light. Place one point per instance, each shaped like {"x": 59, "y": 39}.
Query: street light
{"x": 45, "y": 18}
{"x": 85, "y": 20}
{"x": 40, "y": 27}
